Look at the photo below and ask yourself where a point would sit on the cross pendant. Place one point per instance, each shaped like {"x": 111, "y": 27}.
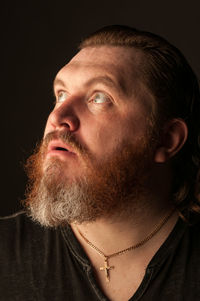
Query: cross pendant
{"x": 106, "y": 268}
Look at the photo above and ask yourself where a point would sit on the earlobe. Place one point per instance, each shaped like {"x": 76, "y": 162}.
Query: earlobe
{"x": 173, "y": 138}
{"x": 161, "y": 155}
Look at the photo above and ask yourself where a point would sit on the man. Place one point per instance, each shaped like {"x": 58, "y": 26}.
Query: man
{"x": 113, "y": 190}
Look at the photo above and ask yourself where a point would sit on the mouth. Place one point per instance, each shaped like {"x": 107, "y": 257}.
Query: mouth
{"x": 58, "y": 147}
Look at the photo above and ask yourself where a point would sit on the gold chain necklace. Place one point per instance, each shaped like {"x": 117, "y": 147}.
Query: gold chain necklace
{"x": 106, "y": 267}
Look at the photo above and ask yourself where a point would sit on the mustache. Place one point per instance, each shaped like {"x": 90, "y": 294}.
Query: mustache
{"x": 65, "y": 137}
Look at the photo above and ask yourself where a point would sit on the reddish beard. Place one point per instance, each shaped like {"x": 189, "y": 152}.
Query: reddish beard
{"x": 107, "y": 188}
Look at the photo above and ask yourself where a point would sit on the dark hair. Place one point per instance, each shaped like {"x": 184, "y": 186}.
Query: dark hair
{"x": 170, "y": 79}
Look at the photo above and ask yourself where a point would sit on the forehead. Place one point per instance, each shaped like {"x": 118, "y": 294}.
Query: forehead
{"x": 118, "y": 63}
{"x": 108, "y": 55}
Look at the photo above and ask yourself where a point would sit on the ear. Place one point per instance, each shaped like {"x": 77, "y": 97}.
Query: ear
{"x": 173, "y": 138}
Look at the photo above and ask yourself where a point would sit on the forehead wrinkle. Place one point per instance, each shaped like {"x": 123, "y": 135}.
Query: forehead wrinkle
{"x": 107, "y": 81}
{"x": 111, "y": 79}
{"x": 121, "y": 62}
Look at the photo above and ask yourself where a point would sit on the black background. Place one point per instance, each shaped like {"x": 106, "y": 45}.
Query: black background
{"x": 38, "y": 38}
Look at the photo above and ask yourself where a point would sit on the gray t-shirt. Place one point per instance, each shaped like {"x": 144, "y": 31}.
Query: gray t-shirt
{"x": 43, "y": 264}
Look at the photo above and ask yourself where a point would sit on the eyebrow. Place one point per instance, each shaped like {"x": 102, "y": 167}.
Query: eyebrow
{"x": 106, "y": 80}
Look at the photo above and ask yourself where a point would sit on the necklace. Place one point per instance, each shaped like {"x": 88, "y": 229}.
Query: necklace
{"x": 106, "y": 268}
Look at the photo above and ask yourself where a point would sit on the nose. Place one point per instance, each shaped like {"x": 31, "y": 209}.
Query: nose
{"x": 64, "y": 116}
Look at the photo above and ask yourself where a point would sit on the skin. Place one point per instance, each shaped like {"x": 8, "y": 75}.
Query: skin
{"x": 100, "y": 125}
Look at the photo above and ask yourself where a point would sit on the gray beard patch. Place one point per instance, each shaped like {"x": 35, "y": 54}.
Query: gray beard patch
{"x": 61, "y": 206}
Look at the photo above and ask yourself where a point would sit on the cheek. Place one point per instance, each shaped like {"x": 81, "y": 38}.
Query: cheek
{"x": 104, "y": 138}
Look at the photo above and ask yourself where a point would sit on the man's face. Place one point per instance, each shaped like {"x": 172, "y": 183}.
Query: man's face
{"x": 96, "y": 141}
{"x": 100, "y": 102}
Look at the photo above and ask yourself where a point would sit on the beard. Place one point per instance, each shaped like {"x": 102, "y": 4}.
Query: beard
{"x": 113, "y": 187}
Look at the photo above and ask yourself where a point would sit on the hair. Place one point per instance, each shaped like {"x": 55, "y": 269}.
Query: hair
{"x": 170, "y": 79}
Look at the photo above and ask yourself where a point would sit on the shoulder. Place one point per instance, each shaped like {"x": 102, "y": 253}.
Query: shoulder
{"x": 189, "y": 245}
{"x": 12, "y": 222}
{"x": 9, "y": 219}
{"x": 15, "y": 224}
{"x": 18, "y": 232}
{"x": 194, "y": 233}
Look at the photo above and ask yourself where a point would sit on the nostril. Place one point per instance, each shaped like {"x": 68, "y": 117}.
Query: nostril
{"x": 64, "y": 117}
{"x": 65, "y": 124}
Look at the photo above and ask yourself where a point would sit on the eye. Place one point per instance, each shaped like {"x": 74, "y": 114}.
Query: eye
{"x": 100, "y": 98}
{"x": 62, "y": 96}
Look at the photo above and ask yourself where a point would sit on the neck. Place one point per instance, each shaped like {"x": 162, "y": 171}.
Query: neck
{"x": 112, "y": 235}
{"x": 128, "y": 234}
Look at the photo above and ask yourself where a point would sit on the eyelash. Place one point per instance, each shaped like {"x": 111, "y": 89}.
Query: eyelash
{"x": 97, "y": 94}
